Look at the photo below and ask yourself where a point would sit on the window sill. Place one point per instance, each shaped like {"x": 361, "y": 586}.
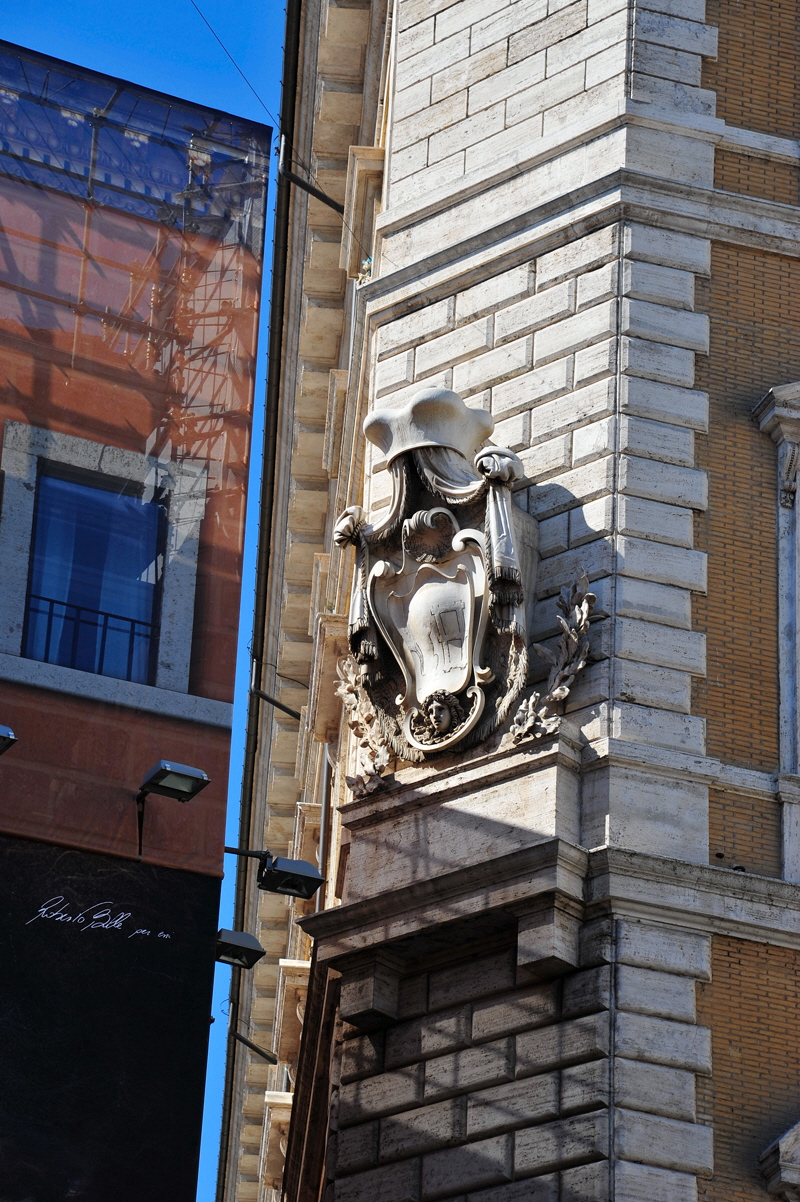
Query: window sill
{"x": 117, "y": 692}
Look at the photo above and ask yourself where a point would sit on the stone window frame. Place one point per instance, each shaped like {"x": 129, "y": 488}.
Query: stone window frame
{"x": 778, "y": 414}
{"x": 184, "y": 487}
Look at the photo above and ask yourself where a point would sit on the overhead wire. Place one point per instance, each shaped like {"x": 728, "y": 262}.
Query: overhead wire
{"x": 276, "y": 121}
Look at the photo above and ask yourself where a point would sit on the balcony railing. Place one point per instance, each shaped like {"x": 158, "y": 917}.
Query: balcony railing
{"x": 90, "y": 640}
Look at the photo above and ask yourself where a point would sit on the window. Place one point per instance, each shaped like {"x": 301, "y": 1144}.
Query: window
{"x": 96, "y": 568}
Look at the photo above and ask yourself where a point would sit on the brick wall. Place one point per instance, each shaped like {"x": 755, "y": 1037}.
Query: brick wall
{"x": 744, "y": 831}
{"x": 754, "y": 303}
{"x": 756, "y": 75}
{"x": 757, "y": 177}
{"x": 752, "y": 1004}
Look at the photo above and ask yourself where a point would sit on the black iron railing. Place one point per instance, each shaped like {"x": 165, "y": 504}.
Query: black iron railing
{"x": 91, "y": 640}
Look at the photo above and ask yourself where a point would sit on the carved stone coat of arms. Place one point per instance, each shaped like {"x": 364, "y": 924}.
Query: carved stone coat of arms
{"x": 437, "y": 623}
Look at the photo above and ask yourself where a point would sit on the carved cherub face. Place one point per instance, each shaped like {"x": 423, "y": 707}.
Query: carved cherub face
{"x": 439, "y": 716}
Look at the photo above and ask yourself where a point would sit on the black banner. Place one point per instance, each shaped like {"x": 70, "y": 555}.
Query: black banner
{"x": 106, "y": 971}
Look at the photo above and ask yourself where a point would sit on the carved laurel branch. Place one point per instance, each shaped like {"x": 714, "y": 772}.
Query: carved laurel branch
{"x": 540, "y": 715}
{"x": 375, "y": 756}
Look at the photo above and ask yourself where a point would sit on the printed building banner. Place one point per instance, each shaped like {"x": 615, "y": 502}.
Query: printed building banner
{"x": 131, "y": 252}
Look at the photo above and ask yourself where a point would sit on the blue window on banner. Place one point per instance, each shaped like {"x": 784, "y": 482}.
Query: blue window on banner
{"x": 96, "y": 567}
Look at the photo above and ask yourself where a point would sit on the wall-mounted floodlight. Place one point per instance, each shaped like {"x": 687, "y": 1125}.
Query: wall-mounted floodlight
{"x": 7, "y": 738}
{"x": 293, "y": 878}
{"x": 239, "y": 948}
{"x": 168, "y": 779}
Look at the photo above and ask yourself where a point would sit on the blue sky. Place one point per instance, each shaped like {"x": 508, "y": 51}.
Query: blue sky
{"x": 164, "y": 44}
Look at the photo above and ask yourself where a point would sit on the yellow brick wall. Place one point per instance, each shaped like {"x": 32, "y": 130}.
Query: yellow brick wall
{"x": 752, "y": 1005}
{"x": 754, "y": 303}
{"x": 757, "y": 177}
{"x": 756, "y": 75}
{"x": 744, "y": 832}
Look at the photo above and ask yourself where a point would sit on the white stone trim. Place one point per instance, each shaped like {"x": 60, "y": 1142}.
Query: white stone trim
{"x": 154, "y": 700}
{"x": 185, "y": 484}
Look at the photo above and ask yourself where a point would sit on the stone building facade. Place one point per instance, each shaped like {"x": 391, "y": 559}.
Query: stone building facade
{"x": 556, "y": 968}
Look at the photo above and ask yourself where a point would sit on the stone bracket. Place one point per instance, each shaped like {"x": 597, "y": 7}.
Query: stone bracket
{"x": 547, "y": 935}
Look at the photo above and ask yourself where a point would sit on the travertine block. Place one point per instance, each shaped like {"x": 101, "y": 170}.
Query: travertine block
{"x": 400, "y": 1182}
{"x": 412, "y": 99}
{"x": 689, "y": 36}
{"x": 412, "y": 996}
{"x": 453, "y": 347}
{"x": 690, "y": 10}
{"x": 454, "y": 17}
{"x": 521, "y": 1010}
{"x": 533, "y": 387}
{"x": 561, "y": 1044}
{"x": 420, "y": 125}
{"x": 585, "y": 1183}
{"x": 682, "y": 486}
{"x": 484, "y": 371}
{"x": 650, "y": 519}
{"x": 636, "y": 810}
{"x": 412, "y": 160}
{"x": 422, "y": 1130}
{"x": 569, "y": 489}
{"x": 592, "y": 325}
{"x": 545, "y": 459}
{"x": 662, "y": 564}
{"x": 648, "y": 684}
{"x": 423, "y": 57}
{"x": 445, "y": 171}
{"x": 666, "y": 94}
{"x": 391, "y": 374}
{"x": 380, "y": 1095}
{"x": 362, "y": 1057}
{"x": 487, "y": 1162}
{"x": 659, "y": 1041}
{"x": 513, "y": 433}
{"x": 477, "y": 128}
{"x": 465, "y": 72}
{"x": 368, "y": 996}
{"x": 585, "y": 1086}
{"x": 596, "y": 361}
{"x": 585, "y": 109}
{"x": 639, "y": 724}
{"x": 659, "y": 323}
{"x": 431, "y": 1035}
{"x": 664, "y": 948}
{"x": 543, "y": 33}
{"x": 664, "y": 403}
{"x": 414, "y": 39}
{"x": 543, "y": 96}
{"x": 535, "y": 1189}
{"x": 487, "y": 1064}
{"x": 668, "y": 248}
{"x": 517, "y": 1104}
{"x": 654, "y": 1088}
{"x": 597, "y": 286}
{"x": 478, "y": 979}
{"x": 637, "y": 1181}
{"x": 650, "y": 643}
{"x": 535, "y": 311}
{"x": 586, "y": 992}
{"x": 654, "y": 602}
{"x": 659, "y": 285}
{"x": 667, "y": 1143}
{"x": 581, "y": 255}
{"x": 415, "y": 327}
{"x": 547, "y": 934}
{"x": 593, "y": 441}
{"x": 660, "y": 994}
{"x": 561, "y": 1144}
{"x": 507, "y": 83}
{"x": 497, "y": 290}
{"x": 566, "y": 413}
{"x": 509, "y": 144}
{"x": 357, "y": 1149}
{"x": 666, "y": 63}
{"x": 608, "y": 63}
{"x": 597, "y": 37}
{"x": 596, "y": 558}
{"x": 554, "y": 535}
{"x": 655, "y": 361}
{"x": 591, "y": 521}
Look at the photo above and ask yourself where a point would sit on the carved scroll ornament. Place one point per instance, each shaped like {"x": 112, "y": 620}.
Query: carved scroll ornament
{"x": 437, "y": 621}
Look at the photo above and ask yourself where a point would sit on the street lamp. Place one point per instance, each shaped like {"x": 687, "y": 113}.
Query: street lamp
{"x": 168, "y": 779}
{"x": 276, "y": 874}
{"x": 7, "y": 738}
